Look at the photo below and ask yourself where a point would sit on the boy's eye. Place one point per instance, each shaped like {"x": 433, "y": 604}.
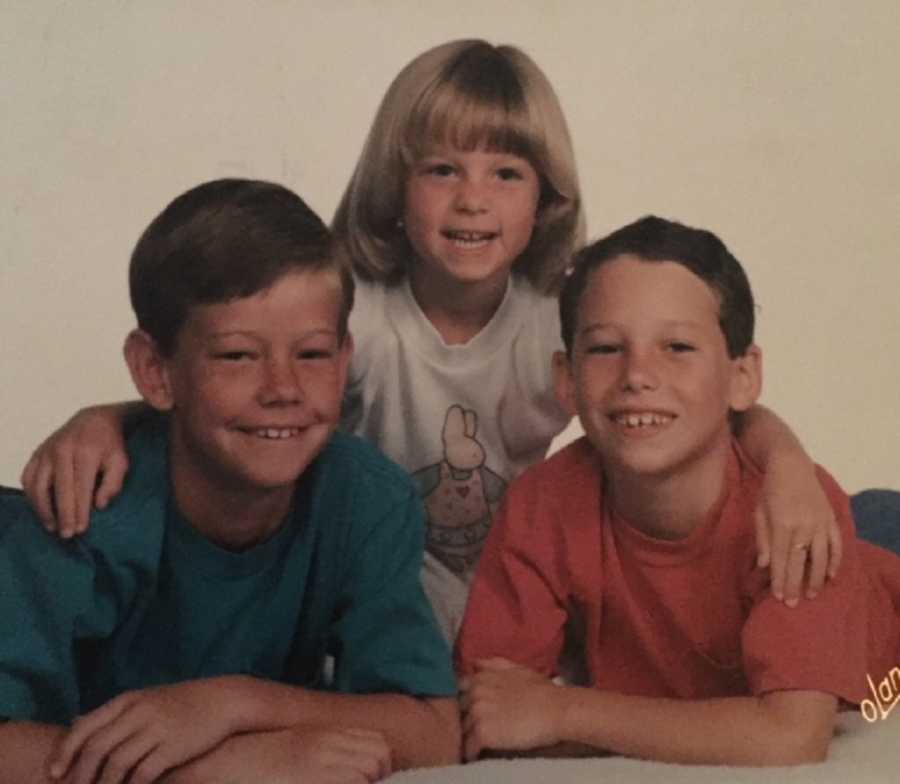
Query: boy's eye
{"x": 314, "y": 354}
{"x": 233, "y": 356}
{"x": 679, "y": 347}
{"x": 602, "y": 348}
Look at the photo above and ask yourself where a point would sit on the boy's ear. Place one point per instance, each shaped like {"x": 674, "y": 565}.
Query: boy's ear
{"x": 149, "y": 370}
{"x": 746, "y": 380}
{"x": 564, "y": 382}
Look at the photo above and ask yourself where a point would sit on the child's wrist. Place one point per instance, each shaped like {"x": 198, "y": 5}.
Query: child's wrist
{"x": 561, "y": 707}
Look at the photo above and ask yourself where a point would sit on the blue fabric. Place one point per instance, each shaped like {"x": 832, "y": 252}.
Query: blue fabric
{"x": 143, "y": 599}
{"x": 877, "y": 515}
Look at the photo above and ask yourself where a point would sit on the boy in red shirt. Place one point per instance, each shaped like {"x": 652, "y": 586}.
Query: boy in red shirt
{"x": 642, "y": 531}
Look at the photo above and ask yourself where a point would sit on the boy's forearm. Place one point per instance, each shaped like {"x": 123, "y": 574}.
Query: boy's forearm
{"x": 25, "y": 748}
{"x": 421, "y": 732}
{"x": 765, "y": 437}
{"x": 783, "y": 728}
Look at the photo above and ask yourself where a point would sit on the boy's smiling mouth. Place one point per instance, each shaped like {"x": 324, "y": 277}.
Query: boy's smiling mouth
{"x": 641, "y": 420}
{"x": 273, "y": 433}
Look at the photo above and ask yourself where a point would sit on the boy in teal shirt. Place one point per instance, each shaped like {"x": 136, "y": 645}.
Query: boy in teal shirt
{"x": 250, "y": 607}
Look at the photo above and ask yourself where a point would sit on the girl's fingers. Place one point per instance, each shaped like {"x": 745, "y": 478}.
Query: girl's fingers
{"x": 114, "y": 470}
{"x": 779, "y": 565}
{"x": 36, "y": 482}
{"x": 85, "y": 470}
{"x": 818, "y": 564}
{"x": 65, "y": 494}
{"x": 835, "y": 548}
{"x": 797, "y": 561}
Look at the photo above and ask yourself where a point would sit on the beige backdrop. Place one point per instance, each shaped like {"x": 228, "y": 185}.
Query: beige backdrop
{"x": 774, "y": 123}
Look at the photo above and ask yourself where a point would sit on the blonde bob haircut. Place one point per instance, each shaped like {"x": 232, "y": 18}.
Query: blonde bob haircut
{"x": 465, "y": 94}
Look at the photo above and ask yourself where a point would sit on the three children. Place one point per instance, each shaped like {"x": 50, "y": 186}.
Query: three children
{"x": 459, "y": 220}
{"x": 643, "y": 532}
{"x": 249, "y": 607}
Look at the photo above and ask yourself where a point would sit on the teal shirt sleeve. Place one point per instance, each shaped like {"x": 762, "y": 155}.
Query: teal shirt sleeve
{"x": 48, "y": 604}
{"x": 58, "y": 596}
{"x": 385, "y": 638}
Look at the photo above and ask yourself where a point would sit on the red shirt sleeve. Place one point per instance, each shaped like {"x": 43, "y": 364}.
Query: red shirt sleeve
{"x": 518, "y": 605}
{"x": 821, "y": 644}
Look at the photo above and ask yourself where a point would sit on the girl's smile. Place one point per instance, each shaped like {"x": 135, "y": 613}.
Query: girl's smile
{"x": 469, "y": 215}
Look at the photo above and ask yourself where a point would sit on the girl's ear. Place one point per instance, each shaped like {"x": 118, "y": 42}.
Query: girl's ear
{"x": 746, "y": 380}
{"x": 149, "y": 370}
{"x": 564, "y": 383}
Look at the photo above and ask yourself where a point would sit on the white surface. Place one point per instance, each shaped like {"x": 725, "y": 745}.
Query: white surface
{"x": 774, "y": 123}
{"x": 861, "y": 753}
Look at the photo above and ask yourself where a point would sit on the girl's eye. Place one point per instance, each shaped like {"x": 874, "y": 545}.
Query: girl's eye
{"x": 440, "y": 170}
{"x": 678, "y": 347}
{"x": 508, "y": 173}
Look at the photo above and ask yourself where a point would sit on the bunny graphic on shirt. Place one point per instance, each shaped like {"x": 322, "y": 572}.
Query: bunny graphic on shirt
{"x": 461, "y": 493}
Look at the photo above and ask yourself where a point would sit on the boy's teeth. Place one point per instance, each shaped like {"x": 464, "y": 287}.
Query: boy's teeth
{"x": 642, "y": 420}
{"x": 276, "y": 432}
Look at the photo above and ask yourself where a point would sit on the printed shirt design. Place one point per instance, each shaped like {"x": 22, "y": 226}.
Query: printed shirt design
{"x": 461, "y": 493}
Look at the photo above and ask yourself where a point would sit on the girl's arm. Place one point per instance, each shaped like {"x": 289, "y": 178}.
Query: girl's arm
{"x": 796, "y": 530}
{"x": 510, "y": 707}
{"x": 81, "y": 465}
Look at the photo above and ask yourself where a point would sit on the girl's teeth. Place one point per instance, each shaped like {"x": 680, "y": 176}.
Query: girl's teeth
{"x": 469, "y": 239}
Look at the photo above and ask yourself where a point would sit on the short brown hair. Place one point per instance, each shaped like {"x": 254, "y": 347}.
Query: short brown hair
{"x": 223, "y": 240}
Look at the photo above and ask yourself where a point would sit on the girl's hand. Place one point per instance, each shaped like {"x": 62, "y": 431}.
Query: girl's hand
{"x": 62, "y": 474}
{"x": 506, "y": 706}
{"x": 797, "y": 534}
{"x": 139, "y": 735}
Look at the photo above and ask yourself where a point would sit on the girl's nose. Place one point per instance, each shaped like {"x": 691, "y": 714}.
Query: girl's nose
{"x": 471, "y": 196}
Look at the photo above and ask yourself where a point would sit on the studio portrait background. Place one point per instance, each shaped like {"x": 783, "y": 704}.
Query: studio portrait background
{"x": 774, "y": 123}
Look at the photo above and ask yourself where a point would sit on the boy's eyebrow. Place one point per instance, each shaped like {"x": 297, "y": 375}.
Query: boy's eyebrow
{"x": 600, "y": 325}
{"x": 253, "y": 334}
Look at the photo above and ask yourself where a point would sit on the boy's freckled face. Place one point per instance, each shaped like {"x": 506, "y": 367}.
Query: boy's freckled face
{"x": 650, "y": 376}
{"x": 257, "y": 384}
{"x": 470, "y": 215}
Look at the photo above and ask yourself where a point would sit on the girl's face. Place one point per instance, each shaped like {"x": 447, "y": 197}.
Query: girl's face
{"x": 469, "y": 215}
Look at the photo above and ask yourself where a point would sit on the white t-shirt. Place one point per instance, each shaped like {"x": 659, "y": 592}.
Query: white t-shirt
{"x": 464, "y": 420}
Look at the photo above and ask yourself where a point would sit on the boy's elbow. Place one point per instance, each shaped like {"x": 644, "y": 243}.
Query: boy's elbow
{"x": 796, "y": 751}
{"x": 801, "y": 729}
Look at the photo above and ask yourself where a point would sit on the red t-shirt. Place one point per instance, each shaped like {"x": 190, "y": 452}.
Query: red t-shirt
{"x": 692, "y": 618}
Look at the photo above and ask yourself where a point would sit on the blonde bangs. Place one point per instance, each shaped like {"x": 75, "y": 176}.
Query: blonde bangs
{"x": 446, "y": 116}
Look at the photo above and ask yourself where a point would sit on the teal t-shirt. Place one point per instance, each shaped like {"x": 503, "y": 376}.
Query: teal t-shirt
{"x": 143, "y": 599}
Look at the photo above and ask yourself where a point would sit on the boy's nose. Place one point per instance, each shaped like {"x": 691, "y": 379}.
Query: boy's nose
{"x": 639, "y": 372}
{"x": 280, "y": 384}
